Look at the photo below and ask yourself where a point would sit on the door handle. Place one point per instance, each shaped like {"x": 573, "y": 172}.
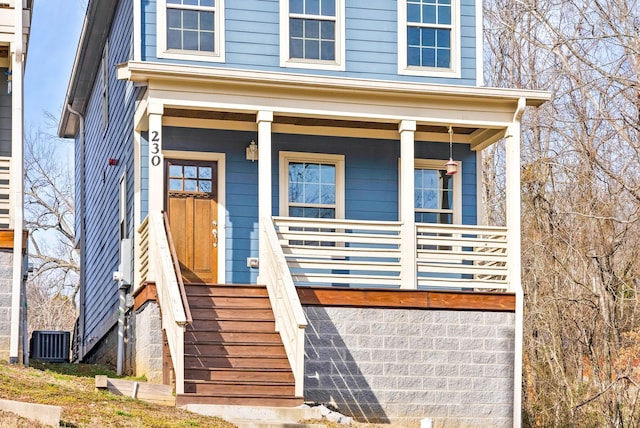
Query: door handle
{"x": 214, "y": 231}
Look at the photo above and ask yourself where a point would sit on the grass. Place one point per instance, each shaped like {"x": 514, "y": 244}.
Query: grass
{"x": 72, "y": 386}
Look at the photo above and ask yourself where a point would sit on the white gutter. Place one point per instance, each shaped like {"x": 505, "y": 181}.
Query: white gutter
{"x": 80, "y": 241}
{"x": 17, "y": 185}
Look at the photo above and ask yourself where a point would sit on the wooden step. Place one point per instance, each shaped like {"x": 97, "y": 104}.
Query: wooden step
{"x": 205, "y": 361}
{"x": 231, "y": 388}
{"x": 246, "y": 400}
{"x": 235, "y": 350}
{"x": 239, "y": 374}
{"x": 249, "y": 314}
{"x": 208, "y": 301}
{"x": 212, "y": 336}
{"x": 226, "y": 290}
{"x": 232, "y": 353}
{"x": 265, "y": 326}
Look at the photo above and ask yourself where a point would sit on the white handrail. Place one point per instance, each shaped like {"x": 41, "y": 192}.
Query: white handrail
{"x": 174, "y": 317}
{"x": 290, "y": 319}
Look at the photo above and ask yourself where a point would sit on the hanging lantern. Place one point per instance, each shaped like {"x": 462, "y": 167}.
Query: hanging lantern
{"x": 451, "y": 165}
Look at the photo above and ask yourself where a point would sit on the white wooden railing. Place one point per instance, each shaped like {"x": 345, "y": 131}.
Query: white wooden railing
{"x": 462, "y": 256}
{"x": 290, "y": 319}
{"x": 329, "y": 252}
{"x": 5, "y": 191}
{"x": 158, "y": 266}
{"x": 341, "y": 252}
{"x": 142, "y": 261}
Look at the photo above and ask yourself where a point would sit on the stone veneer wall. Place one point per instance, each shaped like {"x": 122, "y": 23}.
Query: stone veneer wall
{"x": 6, "y": 275}
{"x": 146, "y": 341}
{"x": 402, "y": 365}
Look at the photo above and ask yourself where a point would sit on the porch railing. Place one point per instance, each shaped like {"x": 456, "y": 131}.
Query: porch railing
{"x": 290, "y": 319}
{"x": 341, "y": 252}
{"x": 461, "y": 256}
{"x": 329, "y": 252}
{"x": 158, "y": 266}
{"x": 5, "y": 192}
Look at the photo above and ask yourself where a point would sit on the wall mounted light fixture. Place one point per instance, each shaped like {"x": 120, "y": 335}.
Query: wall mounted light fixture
{"x": 252, "y": 151}
{"x": 452, "y": 166}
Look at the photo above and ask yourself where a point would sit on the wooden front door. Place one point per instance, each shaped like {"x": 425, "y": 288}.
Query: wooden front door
{"x": 192, "y": 204}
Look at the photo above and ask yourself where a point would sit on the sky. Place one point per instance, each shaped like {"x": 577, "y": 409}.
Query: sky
{"x": 55, "y": 30}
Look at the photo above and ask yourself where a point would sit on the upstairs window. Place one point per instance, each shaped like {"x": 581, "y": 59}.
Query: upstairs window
{"x": 428, "y": 37}
{"x": 312, "y": 33}
{"x": 191, "y": 29}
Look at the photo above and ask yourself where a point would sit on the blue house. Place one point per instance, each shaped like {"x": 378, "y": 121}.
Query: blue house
{"x": 280, "y": 202}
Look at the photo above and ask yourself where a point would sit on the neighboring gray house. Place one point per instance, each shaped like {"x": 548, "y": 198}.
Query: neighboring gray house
{"x": 15, "y": 22}
{"x": 290, "y": 192}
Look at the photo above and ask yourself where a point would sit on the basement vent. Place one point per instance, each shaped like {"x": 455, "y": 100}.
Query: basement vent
{"x": 50, "y": 346}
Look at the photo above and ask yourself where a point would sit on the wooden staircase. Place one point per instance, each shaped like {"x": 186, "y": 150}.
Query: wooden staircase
{"x": 232, "y": 353}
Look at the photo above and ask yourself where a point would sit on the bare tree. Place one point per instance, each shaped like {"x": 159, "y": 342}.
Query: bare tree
{"x": 47, "y": 310}
{"x": 49, "y": 213}
{"x": 581, "y": 196}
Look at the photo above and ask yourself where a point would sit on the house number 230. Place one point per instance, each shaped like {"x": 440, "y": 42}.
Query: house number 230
{"x": 155, "y": 148}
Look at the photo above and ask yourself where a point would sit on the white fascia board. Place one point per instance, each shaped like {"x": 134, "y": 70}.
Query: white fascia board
{"x": 341, "y": 108}
{"x": 145, "y": 71}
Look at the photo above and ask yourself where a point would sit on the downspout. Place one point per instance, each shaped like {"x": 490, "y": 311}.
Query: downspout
{"x": 17, "y": 185}
{"x": 515, "y": 262}
{"x": 81, "y": 230}
{"x": 25, "y": 317}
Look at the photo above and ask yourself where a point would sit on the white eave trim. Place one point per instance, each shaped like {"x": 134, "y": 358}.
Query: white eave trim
{"x": 144, "y": 71}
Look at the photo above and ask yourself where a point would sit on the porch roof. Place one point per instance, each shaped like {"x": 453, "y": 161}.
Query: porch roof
{"x": 328, "y": 105}
{"x": 144, "y": 71}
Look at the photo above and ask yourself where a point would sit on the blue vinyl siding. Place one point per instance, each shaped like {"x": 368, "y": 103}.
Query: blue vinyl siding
{"x": 371, "y": 180}
{"x": 102, "y": 253}
{"x": 5, "y": 114}
{"x": 253, "y": 42}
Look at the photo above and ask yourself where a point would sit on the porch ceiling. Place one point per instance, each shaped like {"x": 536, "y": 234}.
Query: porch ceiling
{"x": 303, "y": 125}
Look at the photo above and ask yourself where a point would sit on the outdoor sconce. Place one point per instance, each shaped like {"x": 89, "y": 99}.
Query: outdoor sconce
{"x": 451, "y": 165}
{"x": 252, "y": 151}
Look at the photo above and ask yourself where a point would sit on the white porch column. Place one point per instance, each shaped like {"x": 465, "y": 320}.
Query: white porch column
{"x": 156, "y": 171}
{"x": 512, "y": 156}
{"x": 408, "y": 270}
{"x": 156, "y": 159}
{"x": 17, "y": 167}
{"x": 264, "y": 120}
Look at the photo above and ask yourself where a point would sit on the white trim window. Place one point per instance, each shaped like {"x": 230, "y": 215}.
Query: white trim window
{"x": 312, "y": 185}
{"x": 429, "y": 38}
{"x": 191, "y": 29}
{"x": 312, "y": 34}
{"x": 437, "y": 195}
